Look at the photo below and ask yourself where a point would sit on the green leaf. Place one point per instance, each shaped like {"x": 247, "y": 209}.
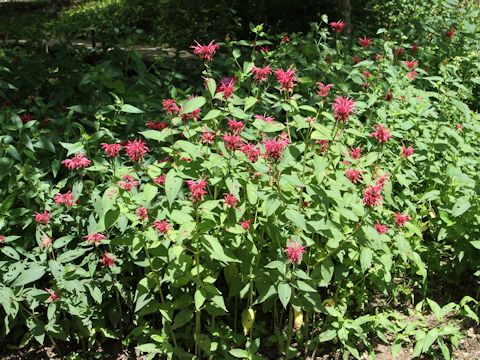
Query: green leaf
{"x": 131, "y": 109}
{"x": 461, "y": 205}
{"x": 326, "y": 270}
{"x": 173, "y": 184}
{"x": 183, "y": 317}
{"x": 239, "y": 353}
{"x": 33, "y": 273}
{"x": 212, "y": 114}
{"x": 199, "y": 299}
{"x": 212, "y": 87}
{"x": 297, "y": 218}
{"x": 193, "y": 104}
{"x": 366, "y": 256}
{"x": 216, "y": 250}
{"x": 284, "y": 293}
{"x": 327, "y": 335}
{"x": 73, "y": 148}
{"x": 252, "y": 193}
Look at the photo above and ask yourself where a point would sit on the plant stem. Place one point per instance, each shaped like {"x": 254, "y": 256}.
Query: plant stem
{"x": 289, "y": 331}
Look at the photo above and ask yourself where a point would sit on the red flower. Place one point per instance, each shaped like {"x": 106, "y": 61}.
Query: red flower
{"x": 294, "y": 251}
{"x": 353, "y": 175}
{"x": 337, "y": 26}
{"x": 389, "y": 96}
{"x": 414, "y": 48}
{"x": 77, "y": 162}
{"x": 261, "y": 74}
{"x": 108, "y": 260}
{"x": 42, "y": 218}
{"x": 197, "y": 189}
{"x": 94, "y": 238}
{"x": 128, "y": 183}
{"x": 170, "y": 106}
{"x": 136, "y": 149}
{"x": 142, "y": 214}
{"x": 365, "y": 42}
{"x": 251, "y": 151}
{"x": 399, "y": 52}
{"x": 157, "y": 125}
{"x": 286, "y": 79}
{"x": 111, "y": 150}
{"x": 459, "y": 127}
{"x": 401, "y": 219}
{"x": 230, "y": 200}
{"x": 381, "y": 229}
{"x": 407, "y": 151}
{"x": 367, "y": 74}
{"x": 274, "y": 147}
{"x": 356, "y": 60}
{"x": 264, "y": 117}
{"x": 227, "y": 87}
{"x": 323, "y": 146}
{"x": 206, "y": 52}
{"x": 232, "y": 141}
{"x": 161, "y": 226}
{"x": 26, "y": 117}
{"x": 207, "y": 137}
{"x": 381, "y": 133}
{"x": 245, "y": 224}
{"x": 342, "y": 108}
{"x": 235, "y": 125}
{"x": 323, "y": 89}
{"x": 355, "y": 153}
{"x": 66, "y": 199}
{"x": 410, "y": 64}
{"x": 450, "y": 33}
{"x": 160, "y": 180}
{"x": 372, "y": 196}
{"x": 54, "y": 295}
{"x": 2, "y": 238}
{"x": 285, "y": 39}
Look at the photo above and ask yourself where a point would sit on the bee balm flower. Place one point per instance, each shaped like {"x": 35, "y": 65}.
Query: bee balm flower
{"x": 206, "y": 52}
{"x": 294, "y": 251}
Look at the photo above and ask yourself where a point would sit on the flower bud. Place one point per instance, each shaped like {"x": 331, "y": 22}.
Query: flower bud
{"x": 248, "y": 318}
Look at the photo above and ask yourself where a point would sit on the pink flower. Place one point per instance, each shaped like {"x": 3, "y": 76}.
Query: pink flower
{"x": 136, "y": 149}
{"x": 227, "y": 87}
{"x": 108, "y": 260}
{"x": 286, "y": 79}
{"x": 381, "y": 133}
{"x": 232, "y": 141}
{"x": 230, "y": 200}
{"x": 355, "y": 153}
{"x": 389, "y": 96}
{"x": 94, "y": 238}
{"x": 407, "y": 151}
{"x": 381, "y": 229}
{"x": 77, "y": 162}
{"x": 157, "y": 125}
{"x": 261, "y": 74}
{"x": 414, "y": 48}
{"x": 207, "y": 137}
{"x": 46, "y": 241}
{"x": 367, "y": 74}
{"x": 161, "y": 226}
{"x": 353, "y": 175}
{"x": 372, "y": 196}
{"x": 66, "y": 199}
{"x": 142, "y": 214}
{"x": 54, "y": 295}
{"x": 170, "y": 106}
{"x": 323, "y": 89}
{"x": 111, "y": 150}
{"x": 128, "y": 183}
{"x": 26, "y": 117}
{"x": 324, "y": 144}
{"x": 251, "y": 151}
{"x": 42, "y": 218}
{"x": 206, "y": 52}
{"x": 2, "y": 239}
{"x": 459, "y": 127}
{"x": 412, "y": 74}
{"x": 410, "y": 64}
{"x": 235, "y": 125}
{"x": 274, "y": 147}
{"x": 285, "y": 39}
{"x": 294, "y": 251}
{"x": 264, "y": 117}
{"x": 342, "y": 108}
{"x": 245, "y": 224}
{"x": 197, "y": 189}
{"x": 337, "y": 26}
{"x": 365, "y": 42}
{"x": 160, "y": 180}
{"x": 401, "y": 219}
